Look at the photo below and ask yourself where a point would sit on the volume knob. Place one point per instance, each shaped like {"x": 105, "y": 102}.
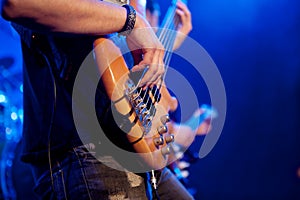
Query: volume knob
{"x": 166, "y": 150}
{"x": 162, "y": 129}
{"x": 164, "y": 119}
{"x": 158, "y": 141}
{"x": 169, "y": 138}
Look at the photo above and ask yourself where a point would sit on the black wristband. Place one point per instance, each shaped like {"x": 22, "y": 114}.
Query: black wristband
{"x": 130, "y": 20}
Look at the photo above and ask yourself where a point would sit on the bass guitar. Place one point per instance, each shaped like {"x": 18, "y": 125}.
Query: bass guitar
{"x": 146, "y": 112}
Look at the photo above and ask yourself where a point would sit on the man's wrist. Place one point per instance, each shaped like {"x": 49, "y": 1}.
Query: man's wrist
{"x": 130, "y": 20}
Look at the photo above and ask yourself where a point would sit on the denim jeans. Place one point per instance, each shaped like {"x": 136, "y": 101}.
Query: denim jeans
{"x": 169, "y": 187}
{"x": 81, "y": 176}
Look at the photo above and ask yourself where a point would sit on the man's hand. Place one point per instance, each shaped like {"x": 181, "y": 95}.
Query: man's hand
{"x": 147, "y": 51}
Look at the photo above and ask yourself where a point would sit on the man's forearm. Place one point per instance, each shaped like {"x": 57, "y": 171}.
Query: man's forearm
{"x": 91, "y": 17}
{"x": 73, "y": 16}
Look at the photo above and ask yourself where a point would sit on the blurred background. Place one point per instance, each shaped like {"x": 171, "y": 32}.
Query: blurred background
{"x": 256, "y": 47}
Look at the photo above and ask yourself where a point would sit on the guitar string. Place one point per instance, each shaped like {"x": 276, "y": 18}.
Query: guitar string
{"x": 168, "y": 40}
{"x": 161, "y": 37}
{"x": 167, "y": 57}
{"x": 164, "y": 38}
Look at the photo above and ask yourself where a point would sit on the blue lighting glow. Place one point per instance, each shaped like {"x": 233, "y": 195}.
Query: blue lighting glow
{"x": 2, "y": 98}
{"x": 14, "y": 116}
{"x": 20, "y": 114}
{"x": 9, "y": 163}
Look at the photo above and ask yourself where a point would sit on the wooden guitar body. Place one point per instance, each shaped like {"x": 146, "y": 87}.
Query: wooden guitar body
{"x": 147, "y": 132}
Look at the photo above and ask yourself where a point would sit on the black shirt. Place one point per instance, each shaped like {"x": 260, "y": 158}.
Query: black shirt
{"x": 50, "y": 66}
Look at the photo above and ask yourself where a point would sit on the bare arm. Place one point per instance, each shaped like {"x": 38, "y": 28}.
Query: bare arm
{"x": 73, "y": 16}
{"x": 92, "y": 17}
{"x": 186, "y": 132}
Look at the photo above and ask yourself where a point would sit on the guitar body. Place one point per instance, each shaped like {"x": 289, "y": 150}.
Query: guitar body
{"x": 141, "y": 131}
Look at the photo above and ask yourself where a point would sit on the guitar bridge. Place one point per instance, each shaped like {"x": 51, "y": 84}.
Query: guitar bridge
{"x": 142, "y": 103}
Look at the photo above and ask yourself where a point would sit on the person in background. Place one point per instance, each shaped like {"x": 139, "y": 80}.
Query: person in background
{"x": 183, "y": 28}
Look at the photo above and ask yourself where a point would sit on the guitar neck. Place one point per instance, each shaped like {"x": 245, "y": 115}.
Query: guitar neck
{"x": 167, "y": 32}
{"x": 167, "y": 22}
